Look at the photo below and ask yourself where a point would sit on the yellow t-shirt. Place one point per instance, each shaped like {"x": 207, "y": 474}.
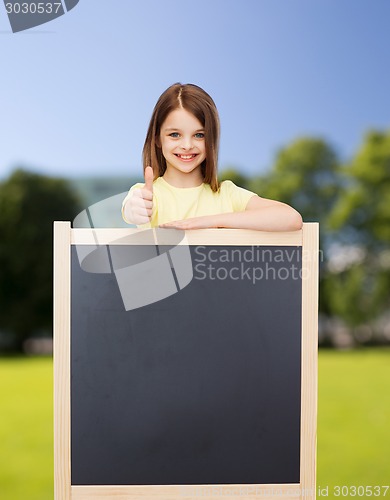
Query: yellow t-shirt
{"x": 172, "y": 203}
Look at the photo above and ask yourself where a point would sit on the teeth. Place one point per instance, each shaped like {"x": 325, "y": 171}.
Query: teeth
{"x": 186, "y": 157}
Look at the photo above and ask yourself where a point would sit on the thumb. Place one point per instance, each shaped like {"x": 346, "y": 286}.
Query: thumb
{"x": 149, "y": 178}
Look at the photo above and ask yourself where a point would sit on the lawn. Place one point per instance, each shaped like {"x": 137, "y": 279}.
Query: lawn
{"x": 354, "y": 418}
{"x": 353, "y": 423}
{"x": 26, "y": 430}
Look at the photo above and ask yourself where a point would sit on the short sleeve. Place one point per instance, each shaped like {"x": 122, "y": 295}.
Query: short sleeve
{"x": 238, "y": 195}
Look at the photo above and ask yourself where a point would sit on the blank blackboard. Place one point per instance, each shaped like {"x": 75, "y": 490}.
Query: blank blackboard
{"x": 203, "y": 387}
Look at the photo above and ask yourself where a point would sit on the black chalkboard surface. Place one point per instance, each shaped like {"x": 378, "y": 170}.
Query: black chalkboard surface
{"x": 202, "y": 387}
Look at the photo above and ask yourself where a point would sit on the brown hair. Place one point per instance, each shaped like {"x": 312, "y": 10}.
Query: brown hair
{"x": 196, "y": 101}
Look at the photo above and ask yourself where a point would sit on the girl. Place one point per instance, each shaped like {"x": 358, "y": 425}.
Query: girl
{"x": 181, "y": 189}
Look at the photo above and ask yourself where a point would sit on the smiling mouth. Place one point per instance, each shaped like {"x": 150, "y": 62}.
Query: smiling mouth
{"x": 186, "y": 157}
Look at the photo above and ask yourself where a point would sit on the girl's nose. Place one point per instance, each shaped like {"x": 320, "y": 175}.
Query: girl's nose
{"x": 186, "y": 143}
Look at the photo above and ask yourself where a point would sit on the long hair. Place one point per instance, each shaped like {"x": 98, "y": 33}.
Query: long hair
{"x": 197, "y": 102}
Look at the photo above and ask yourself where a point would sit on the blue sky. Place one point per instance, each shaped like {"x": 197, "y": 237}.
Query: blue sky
{"x": 77, "y": 93}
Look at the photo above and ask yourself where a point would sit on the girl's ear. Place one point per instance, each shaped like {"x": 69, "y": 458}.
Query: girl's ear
{"x": 157, "y": 141}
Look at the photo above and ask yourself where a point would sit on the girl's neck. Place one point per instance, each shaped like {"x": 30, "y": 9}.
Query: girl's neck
{"x": 183, "y": 180}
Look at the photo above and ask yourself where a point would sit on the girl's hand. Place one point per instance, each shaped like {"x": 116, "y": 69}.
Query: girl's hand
{"x": 203, "y": 222}
{"x": 139, "y": 207}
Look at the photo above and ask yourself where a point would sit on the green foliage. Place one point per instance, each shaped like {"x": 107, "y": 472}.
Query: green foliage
{"x": 235, "y": 176}
{"x": 29, "y": 203}
{"x": 365, "y": 209}
{"x": 357, "y": 294}
{"x": 362, "y": 216}
{"x": 305, "y": 175}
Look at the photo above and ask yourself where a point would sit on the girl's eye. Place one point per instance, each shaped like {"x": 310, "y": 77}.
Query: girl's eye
{"x": 174, "y": 134}
{"x": 199, "y": 135}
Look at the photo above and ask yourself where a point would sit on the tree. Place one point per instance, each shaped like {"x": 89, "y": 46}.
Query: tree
{"x": 29, "y": 203}
{"x": 362, "y": 215}
{"x": 231, "y": 174}
{"x": 305, "y": 175}
{"x": 364, "y": 211}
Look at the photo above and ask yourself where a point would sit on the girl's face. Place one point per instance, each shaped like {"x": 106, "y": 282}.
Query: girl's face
{"x": 182, "y": 139}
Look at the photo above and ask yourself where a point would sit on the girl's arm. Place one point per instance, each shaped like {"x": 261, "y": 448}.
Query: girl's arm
{"x": 260, "y": 214}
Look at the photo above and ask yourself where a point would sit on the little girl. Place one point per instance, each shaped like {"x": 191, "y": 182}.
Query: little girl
{"x": 181, "y": 188}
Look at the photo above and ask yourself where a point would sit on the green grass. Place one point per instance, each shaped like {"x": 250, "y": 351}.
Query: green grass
{"x": 354, "y": 418}
{"x": 353, "y": 423}
{"x": 26, "y": 429}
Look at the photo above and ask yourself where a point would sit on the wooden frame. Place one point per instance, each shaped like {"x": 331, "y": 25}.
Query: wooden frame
{"x": 64, "y": 237}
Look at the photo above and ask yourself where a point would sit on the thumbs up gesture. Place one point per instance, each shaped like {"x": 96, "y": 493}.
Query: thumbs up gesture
{"x": 139, "y": 207}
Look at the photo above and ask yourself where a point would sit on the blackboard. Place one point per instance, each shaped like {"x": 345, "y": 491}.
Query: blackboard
{"x": 203, "y": 387}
